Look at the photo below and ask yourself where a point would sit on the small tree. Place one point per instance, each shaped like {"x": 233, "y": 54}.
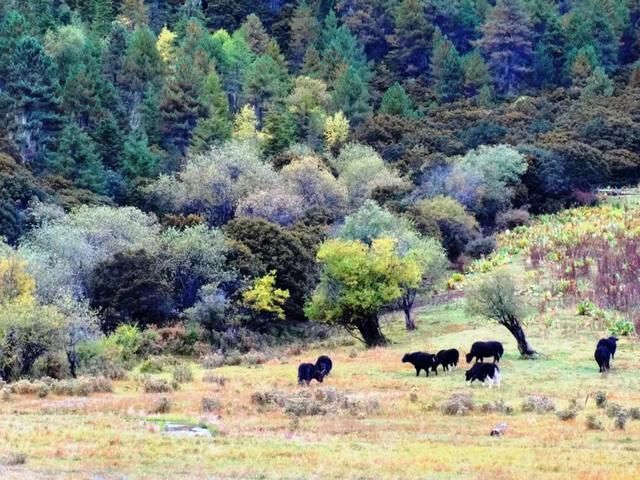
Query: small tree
{"x": 495, "y": 298}
{"x": 264, "y": 298}
{"x": 356, "y": 283}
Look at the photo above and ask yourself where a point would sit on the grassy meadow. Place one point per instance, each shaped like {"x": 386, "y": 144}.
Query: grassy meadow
{"x": 392, "y": 428}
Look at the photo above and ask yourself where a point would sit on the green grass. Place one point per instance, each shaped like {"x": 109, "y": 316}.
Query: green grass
{"x": 114, "y": 436}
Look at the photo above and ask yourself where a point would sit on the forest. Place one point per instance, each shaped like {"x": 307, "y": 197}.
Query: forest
{"x": 189, "y": 177}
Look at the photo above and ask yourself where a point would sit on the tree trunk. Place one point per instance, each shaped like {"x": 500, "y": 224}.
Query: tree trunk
{"x": 407, "y": 304}
{"x": 369, "y": 328}
{"x": 518, "y": 333}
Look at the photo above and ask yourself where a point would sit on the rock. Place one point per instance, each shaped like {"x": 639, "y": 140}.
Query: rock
{"x": 186, "y": 431}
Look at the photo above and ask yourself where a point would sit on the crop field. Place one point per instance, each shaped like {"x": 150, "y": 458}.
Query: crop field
{"x": 371, "y": 418}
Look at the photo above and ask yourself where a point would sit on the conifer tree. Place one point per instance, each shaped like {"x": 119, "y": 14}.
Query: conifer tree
{"x": 304, "y": 33}
{"x": 351, "y": 95}
{"x": 265, "y": 83}
{"x": 446, "y": 69}
{"x": 476, "y": 74}
{"x": 138, "y": 160}
{"x": 256, "y": 35}
{"x": 216, "y": 126}
{"x": 506, "y": 43}
{"x": 395, "y": 101}
{"x": 411, "y": 38}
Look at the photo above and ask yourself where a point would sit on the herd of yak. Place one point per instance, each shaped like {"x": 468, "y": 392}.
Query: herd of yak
{"x": 483, "y": 372}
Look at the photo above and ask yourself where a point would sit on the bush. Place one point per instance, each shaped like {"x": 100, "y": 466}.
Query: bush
{"x": 538, "y": 404}
{"x": 99, "y": 358}
{"x": 621, "y": 421}
{"x": 127, "y": 340}
{"x": 601, "y": 399}
{"x": 83, "y": 386}
{"x": 210, "y": 404}
{"x": 634, "y": 413}
{"x": 592, "y": 423}
{"x": 497, "y": 406}
{"x": 182, "y": 373}
{"x": 210, "y": 377}
{"x": 162, "y": 406}
{"x": 614, "y": 410}
{"x": 568, "y": 414}
{"x": 622, "y": 328}
{"x": 213, "y": 360}
{"x": 152, "y": 365}
{"x": 13, "y": 458}
{"x": 458, "y": 404}
{"x": 156, "y": 385}
{"x": 480, "y": 247}
{"x": 510, "y": 219}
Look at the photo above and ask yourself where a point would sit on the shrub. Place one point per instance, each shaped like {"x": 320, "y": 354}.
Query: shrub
{"x": 621, "y": 421}
{"x": 182, "y": 373}
{"x": 614, "y": 410}
{"x": 497, "y": 406}
{"x": 152, "y": 365}
{"x": 5, "y": 394}
{"x": 156, "y": 385}
{"x": 458, "y": 404}
{"x": 127, "y": 340}
{"x": 162, "y": 406}
{"x": 622, "y": 328}
{"x": 213, "y": 360}
{"x": 601, "y": 399}
{"x": 538, "y": 404}
{"x": 568, "y": 414}
{"x": 510, "y": 219}
{"x": 634, "y": 413}
{"x": 210, "y": 377}
{"x": 13, "y": 458}
{"x": 480, "y": 247}
{"x": 592, "y": 423}
{"x": 254, "y": 358}
{"x": 210, "y": 404}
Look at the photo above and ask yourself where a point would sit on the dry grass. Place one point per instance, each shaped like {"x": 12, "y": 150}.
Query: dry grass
{"x": 114, "y": 435}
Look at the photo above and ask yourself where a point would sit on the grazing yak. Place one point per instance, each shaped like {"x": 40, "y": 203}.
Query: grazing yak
{"x": 422, "y": 361}
{"x": 602, "y": 356}
{"x": 482, "y": 350}
{"x": 610, "y": 344}
{"x": 308, "y": 372}
{"x": 448, "y": 358}
{"x": 324, "y": 364}
{"x": 484, "y": 372}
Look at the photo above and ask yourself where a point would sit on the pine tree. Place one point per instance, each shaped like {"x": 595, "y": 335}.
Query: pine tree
{"x": 134, "y": 13}
{"x": 446, "y": 69}
{"x": 216, "y": 127}
{"x": 31, "y": 104}
{"x": 343, "y": 50}
{"x": 476, "y": 74}
{"x": 109, "y": 142}
{"x": 103, "y": 13}
{"x": 304, "y": 33}
{"x": 411, "y": 39}
{"x": 351, "y": 95}
{"x": 138, "y": 161}
{"x": 506, "y": 42}
{"x": 281, "y": 131}
{"x": 256, "y": 35}
{"x": 181, "y": 107}
{"x": 312, "y": 63}
{"x": 265, "y": 83}
{"x": 395, "y": 101}
{"x": 598, "y": 84}
{"x": 76, "y": 159}
{"x": 370, "y": 22}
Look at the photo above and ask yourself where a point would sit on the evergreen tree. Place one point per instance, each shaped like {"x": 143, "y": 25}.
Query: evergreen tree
{"x": 138, "y": 160}
{"x": 181, "y": 107}
{"x": 370, "y": 22}
{"x": 265, "y": 83}
{"x": 506, "y": 42}
{"x": 446, "y": 69}
{"x": 459, "y": 21}
{"x": 411, "y": 39}
{"x": 351, "y": 95}
{"x": 476, "y": 74}
{"x": 281, "y": 129}
{"x": 30, "y": 101}
{"x": 395, "y": 101}
{"x": 343, "y": 50}
{"x": 76, "y": 159}
{"x": 304, "y": 33}
{"x": 216, "y": 127}
{"x": 256, "y": 35}
{"x": 312, "y": 63}
{"x": 134, "y": 13}
{"x": 103, "y": 13}
{"x": 109, "y": 142}
{"x": 236, "y": 59}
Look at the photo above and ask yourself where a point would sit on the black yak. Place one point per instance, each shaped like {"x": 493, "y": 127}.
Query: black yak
{"x": 483, "y": 372}
{"x": 421, "y": 361}
{"x": 308, "y": 372}
{"x": 482, "y": 350}
{"x": 324, "y": 364}
{"x": 448, "y": 358}
{"x": 602, "y": 356}
{"x": 610, "y": 344}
